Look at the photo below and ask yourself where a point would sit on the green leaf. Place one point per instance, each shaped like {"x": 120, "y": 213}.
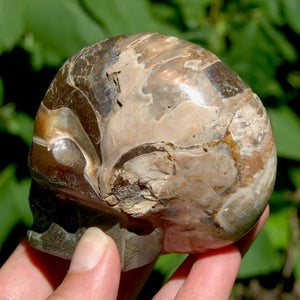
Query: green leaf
{"x": 281, "y": 42}
{"x": 11, "y": 23}
{"x": 286, "y": 125}
{"x": 21, "y": 202}
{"x": 1, "y": 92}
{"x": 255, "y": 59}
{"x": 62, "y": 27}
{"x": 194, "y": 12}
{"x": 291, "y": 10}
{"x": 167, "y": 264}
{"x": 261, "y": 259}
{"x": 297, "y": 265}
{"x": 295, "y": 176}
{"x": 278, "y": 228}
{"x": 293, "y": 79}
{"x": 14, "y": 205}
{"x": 272, "y": 10}
{"x": 265, "y": 255}
{"x": 8, "y": 217}
{"x": 41, "y": 54}
{"x": 126, "y": 17}
{"x": 16, "y": 123}
{"x": 164, "y": 12}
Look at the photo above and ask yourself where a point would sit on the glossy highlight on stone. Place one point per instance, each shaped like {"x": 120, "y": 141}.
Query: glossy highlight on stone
{"x": 155, "y": 141}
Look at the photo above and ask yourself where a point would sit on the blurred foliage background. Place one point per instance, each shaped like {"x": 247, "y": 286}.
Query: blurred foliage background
{"x": 259, "y": 39}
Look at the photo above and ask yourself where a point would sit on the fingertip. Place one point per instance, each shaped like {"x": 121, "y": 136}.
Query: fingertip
{"x": 95, "y": 269}
{"x": 90, "y": 250}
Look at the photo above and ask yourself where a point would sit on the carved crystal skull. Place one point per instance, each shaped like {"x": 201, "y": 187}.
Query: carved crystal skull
{"x": 155, "y": 141}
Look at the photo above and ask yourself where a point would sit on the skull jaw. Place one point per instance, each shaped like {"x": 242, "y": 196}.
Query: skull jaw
{"x": 60, "y": 223}
{"x": 135, "y": 250}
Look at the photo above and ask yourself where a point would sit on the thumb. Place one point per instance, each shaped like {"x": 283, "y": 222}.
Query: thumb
{"x": 94, "y": 271}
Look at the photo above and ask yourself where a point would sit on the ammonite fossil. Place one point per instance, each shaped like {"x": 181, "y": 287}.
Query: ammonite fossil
{"x": 155, "y": 141}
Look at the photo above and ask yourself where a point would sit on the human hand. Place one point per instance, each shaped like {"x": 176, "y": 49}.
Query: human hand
{"x": 95, "y": 272}
{"x": 210, "y": 275}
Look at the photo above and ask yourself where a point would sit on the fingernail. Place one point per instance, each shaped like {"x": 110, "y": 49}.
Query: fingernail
{"x": 89, "y": 251}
